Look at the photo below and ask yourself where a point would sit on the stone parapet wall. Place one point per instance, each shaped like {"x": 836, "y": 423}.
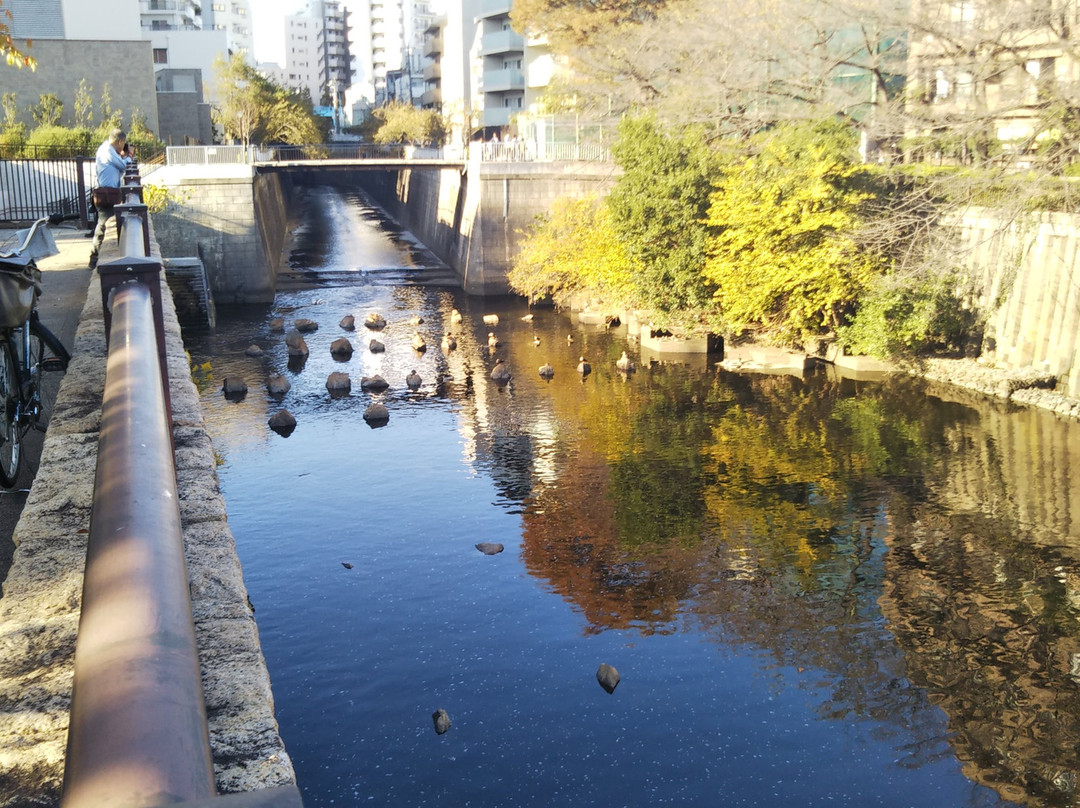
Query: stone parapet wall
{"x": 39, "y": 611}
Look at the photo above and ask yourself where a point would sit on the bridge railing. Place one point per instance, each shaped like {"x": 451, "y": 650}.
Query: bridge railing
{"x": 494, "y": 151}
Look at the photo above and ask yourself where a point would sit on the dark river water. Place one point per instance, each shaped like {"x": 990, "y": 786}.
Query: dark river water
{"x": 816, "y": 591}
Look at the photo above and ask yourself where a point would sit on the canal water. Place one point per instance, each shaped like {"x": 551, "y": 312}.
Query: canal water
{"x": 816, "y": 591}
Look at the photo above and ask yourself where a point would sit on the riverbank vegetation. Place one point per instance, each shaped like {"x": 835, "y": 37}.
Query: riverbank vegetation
{"x": 789, "y": 238}
{"x": 783, "y": 177}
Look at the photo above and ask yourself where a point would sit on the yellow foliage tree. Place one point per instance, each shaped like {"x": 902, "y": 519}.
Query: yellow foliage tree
{"x": 784, "y": 257}
{"x": 575, "y": 250}
{"x": 11, "y": 53}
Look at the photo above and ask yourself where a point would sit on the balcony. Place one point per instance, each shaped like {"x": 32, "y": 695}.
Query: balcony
{"x": 431, "y": 97}
{"x": 432, "y": 71}
{"x": 500, "y": 81}
{"x": 433, "y": 45}
{"x": 498, "y": 116}
{"x": 502, "y": 42}
{"x": 495, "y": 8}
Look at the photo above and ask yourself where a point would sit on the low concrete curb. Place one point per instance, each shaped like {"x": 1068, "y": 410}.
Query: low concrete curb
{"x": 39, "y": 611}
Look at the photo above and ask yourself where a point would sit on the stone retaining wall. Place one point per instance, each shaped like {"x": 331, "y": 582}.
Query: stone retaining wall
{"x": 39, "y": 611}
{"x": 235, "y": 220}
{"x": 1027, "y": 279}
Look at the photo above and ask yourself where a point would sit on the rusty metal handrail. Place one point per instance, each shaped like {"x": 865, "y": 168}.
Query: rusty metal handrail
{"x": 138, "y": 734}
{"x": 138, "y": 731}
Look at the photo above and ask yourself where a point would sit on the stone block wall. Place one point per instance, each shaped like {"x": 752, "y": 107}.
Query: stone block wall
{"x": 235, "y": 220}
{"x": 126, "y": 66}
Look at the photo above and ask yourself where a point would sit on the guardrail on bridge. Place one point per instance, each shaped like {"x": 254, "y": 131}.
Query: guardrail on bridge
{"x": 493, "y": 151}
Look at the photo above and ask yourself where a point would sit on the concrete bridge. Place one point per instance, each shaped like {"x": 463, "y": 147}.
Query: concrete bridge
{"x": 470, "y": 212}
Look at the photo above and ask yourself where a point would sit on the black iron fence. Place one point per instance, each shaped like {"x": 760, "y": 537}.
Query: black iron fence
{"x": 31, "y": 189}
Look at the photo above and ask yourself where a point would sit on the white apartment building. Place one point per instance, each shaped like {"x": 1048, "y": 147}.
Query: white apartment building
{"x": 484, "y": 77}
{"x": 231, "y": 16}
{"x": 334, "y": 50}
{"x": 168, "y": 15}
{"x": 451, "y": 73}
{"x": 301, "y": 71}
{"x": 502, "y": 65}
{"x": 318, "y": 57}
{"x": 388, "y": 37}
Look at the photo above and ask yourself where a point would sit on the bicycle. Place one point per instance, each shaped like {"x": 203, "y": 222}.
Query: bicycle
{"x": 27, "y": 347}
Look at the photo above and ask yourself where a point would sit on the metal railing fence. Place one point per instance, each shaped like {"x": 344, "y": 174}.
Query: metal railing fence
{"x": 513, "y": 151}
{"x": 524, "y": 151}
{"x": 36, "y": 188}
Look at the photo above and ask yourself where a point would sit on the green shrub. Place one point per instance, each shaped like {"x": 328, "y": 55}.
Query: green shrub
{"x": 62, "y": 138}
{"x": 12, "y": 141}
{"x": 902, "y": 318}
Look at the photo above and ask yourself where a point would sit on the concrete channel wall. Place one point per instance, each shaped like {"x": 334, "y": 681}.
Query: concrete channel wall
{"x": 39, "y": 611}
{"x": 235, "y": 219}
{"x": 476, "y": 221}
{"x": 1027, "y": 279}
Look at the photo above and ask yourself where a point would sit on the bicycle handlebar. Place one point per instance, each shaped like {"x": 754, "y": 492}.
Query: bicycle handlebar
{"x": 49, "y": 248}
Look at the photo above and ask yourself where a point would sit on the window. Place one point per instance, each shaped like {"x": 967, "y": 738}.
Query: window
{"x": 941, "y": 85}
{"x": 177, "y": 83}
{"x": 965, "y": 85}
{"x": 962, "y": 13}
{"x": 1043, "y": 71}
{"x": 161, "y": 56}
{"x": 218, "y": 6}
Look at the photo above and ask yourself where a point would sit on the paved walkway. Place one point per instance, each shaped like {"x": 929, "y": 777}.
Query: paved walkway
{"x": 65, "y": 279}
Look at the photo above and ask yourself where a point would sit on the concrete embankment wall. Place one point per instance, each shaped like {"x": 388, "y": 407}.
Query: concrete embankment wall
{"x": 1027, "y": 280}
{"x": 39, "y": 612}
{"x": 235, "y": 219}
{"x": 476, "y": 221}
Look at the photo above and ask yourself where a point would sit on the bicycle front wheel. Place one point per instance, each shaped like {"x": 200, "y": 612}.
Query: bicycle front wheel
{"x": 10, "y": 431}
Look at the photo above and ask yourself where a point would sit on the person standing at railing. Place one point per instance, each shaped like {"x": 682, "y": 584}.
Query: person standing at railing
{"x": 113, "y": 158}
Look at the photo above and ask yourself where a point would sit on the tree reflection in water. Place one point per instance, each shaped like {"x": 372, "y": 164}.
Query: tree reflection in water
{"x": 903, "y": 554}
{"x": 841, "y": 533}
